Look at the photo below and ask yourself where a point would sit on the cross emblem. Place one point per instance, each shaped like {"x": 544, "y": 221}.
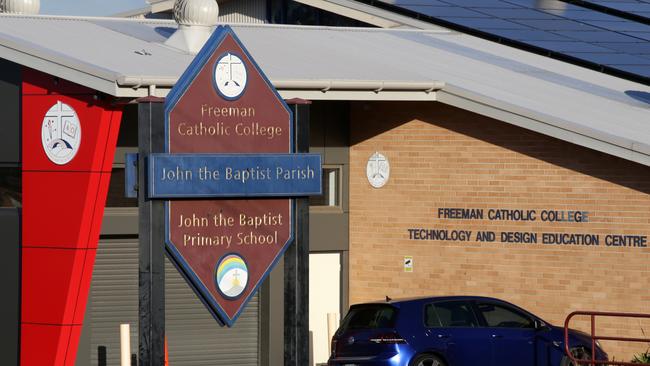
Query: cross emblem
{"x": 377, "y": 159}
{"x": 229, "y": 62}
{"x": 61, "y": 133}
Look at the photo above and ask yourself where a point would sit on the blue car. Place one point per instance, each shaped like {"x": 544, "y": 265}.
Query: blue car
{"x": 452, "y": 331}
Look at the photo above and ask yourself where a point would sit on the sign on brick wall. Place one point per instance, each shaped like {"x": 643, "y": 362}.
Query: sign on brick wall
{"x": 499, "y": 215}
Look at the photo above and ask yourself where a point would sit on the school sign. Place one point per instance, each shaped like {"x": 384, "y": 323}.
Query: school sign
{"x": 227, "y": 174}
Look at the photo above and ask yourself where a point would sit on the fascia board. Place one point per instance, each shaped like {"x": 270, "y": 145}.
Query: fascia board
{"x": 547, "y": 125}
{"x": 369, "y": 14}
{"x": 351, "y": 13}
{"x": 29, "y": 49}
{"x": 162, "y": 6}
{"x": 60, "y": 70}
{"x": 358, "y": 95}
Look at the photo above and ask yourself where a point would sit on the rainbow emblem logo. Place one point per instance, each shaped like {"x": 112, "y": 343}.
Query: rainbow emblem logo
{"x": 231, "y": 276}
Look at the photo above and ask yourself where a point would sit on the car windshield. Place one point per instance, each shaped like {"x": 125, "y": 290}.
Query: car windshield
{"x": 370, "y": 317}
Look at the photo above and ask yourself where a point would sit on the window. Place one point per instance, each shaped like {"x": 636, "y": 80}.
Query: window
{"x": 450, "y": 314}
{"x": 10, "y": 187}
{"x": 127, "y": 142}
{"x": 331, "y": 196}
{"x": 370, "y": 317}
{"x": 116, "y": 191}
{"x": 503, "y": 317}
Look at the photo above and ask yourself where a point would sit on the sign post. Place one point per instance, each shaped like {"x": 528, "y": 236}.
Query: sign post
{"x": 151, "y": 264}
{"x": 220, "y": 185}
{"x": 296, "y": 261}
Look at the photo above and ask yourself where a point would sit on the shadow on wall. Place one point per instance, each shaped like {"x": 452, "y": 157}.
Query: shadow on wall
{"x": 382, "y": 117}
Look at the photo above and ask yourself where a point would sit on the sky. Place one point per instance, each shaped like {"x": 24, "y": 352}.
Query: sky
{"x": 89, "y": 7}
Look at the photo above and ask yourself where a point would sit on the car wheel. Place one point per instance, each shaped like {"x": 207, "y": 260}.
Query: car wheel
{"x": 427, "y": 360}
{"x": 579, "y": 353}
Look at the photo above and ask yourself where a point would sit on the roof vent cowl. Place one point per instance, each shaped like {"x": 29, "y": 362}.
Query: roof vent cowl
{"x": 196, "y": 20}
{"x": 20, "y": 6}
{"x": 196, "y": 12}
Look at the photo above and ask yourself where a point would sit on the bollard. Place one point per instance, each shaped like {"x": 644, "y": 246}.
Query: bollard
{"x": 332, "y": 326}
{"x": 125, "y": 345}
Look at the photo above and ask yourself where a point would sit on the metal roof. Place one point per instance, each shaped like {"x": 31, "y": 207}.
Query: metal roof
{"x": 127, "y": 58}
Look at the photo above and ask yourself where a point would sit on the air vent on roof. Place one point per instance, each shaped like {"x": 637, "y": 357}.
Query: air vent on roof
{"x": 20, "y": 6}
{"x": 196, "y": 20}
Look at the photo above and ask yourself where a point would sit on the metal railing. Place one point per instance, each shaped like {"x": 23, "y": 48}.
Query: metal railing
{"x": 595, "y": 337}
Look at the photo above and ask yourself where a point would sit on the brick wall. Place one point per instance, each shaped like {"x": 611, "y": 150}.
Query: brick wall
{"x": 443, "y": 157}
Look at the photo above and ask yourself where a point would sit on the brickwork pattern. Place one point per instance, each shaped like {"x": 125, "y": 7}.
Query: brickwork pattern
{"x": 444, "y": 157}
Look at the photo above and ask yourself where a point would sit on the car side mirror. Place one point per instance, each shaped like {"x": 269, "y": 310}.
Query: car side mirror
{"x": 541, "y": 325}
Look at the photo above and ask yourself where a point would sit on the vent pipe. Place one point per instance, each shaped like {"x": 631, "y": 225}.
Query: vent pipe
{"x": 196, "y": 20}
{"x": 20, "y": 6}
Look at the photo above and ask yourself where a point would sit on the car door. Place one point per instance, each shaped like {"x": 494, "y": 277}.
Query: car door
{"x": 455, "y": 324}
{"x": 512, "y": 333}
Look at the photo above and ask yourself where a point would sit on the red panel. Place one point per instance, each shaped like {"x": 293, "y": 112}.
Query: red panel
{"x": 95, "y": 126}
{"x": 111, "y": 139}
{"x": 39, "y": 83}
{"x": 62, "y": 206}
{"x": 84, "y": 287}
{"x": 44, "y": 345}
{"x": 52, "y": 279}
{"x": 73, "y": 345}
{"x": 95, "y": 230}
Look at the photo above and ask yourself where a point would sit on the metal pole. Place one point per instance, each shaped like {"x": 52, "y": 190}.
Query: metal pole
{"x": 151, "y": 237}
{"x": 296, "y": 259}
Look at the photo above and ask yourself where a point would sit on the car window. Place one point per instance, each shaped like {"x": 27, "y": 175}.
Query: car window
{"x": 370, "y": 317}
{"x": 450, "y": 314}
{"x": 502, "y": 316}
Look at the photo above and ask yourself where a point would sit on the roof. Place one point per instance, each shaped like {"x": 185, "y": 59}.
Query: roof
{"x": 565, "y": 101}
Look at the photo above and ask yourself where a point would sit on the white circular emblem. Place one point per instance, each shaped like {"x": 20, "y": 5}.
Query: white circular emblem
{"x": 230, "y": 76}
{"x": 377, "y": 170}
{"x": 231, "y": 276}
{"x": 61, "y": 133}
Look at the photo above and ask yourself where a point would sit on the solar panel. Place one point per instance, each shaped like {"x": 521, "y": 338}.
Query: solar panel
{"x": 639, "y": 8}
{"x": 618, "y": 26}
{"x": 559, "y": 29}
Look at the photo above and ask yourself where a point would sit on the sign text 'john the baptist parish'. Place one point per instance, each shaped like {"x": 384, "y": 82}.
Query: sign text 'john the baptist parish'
{"x": 228, "y": 172}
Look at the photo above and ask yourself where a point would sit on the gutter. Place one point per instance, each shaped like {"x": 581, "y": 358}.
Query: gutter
{"x": 375, "y": 86}
{"x": 313, "y": 85}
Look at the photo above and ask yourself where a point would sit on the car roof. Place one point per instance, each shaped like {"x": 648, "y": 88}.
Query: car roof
{"x": 399, "y": 301}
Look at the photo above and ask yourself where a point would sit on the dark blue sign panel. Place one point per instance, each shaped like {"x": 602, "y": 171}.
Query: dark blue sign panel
{"x": 240, "y": 175}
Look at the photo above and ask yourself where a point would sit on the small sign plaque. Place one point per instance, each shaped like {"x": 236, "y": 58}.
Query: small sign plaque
{"x": 408, "y": 263}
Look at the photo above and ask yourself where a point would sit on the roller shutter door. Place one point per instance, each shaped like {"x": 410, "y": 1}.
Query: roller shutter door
{"x": 113, "y": 297}
{"x": 194, "y": 337}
